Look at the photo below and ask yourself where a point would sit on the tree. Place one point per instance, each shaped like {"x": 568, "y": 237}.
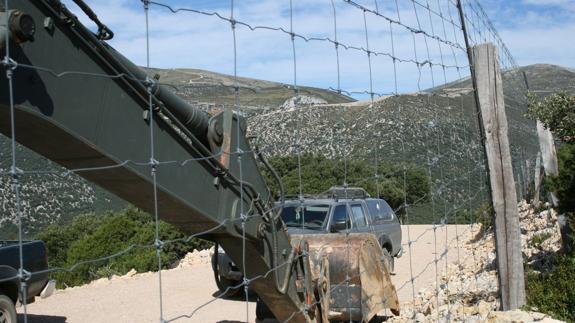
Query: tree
{"x": 557, "y": 113}
{"x": 319, "y": 173}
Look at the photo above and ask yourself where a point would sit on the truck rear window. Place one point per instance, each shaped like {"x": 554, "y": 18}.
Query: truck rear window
{"x": 306, "y": 216}
{"x": 380, "y": 210}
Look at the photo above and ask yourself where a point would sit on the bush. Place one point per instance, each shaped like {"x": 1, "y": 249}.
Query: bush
{"x": 88, "y": 240}
{"x": 553, "y": 292}
{"x": 482, "y": 214}
{"x": 320, "y": 173}
{"x": 58, "y": 239}
{"x": 556, "y": 112}
{"x": 564, "y": 184}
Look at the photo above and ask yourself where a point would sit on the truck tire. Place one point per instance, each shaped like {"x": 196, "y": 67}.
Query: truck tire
{"x": 7, "y": 310}
{"x": 225, "y": 286}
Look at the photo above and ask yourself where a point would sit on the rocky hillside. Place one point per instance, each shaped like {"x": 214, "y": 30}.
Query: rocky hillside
{"x": 435, "y": 129}
{"x": 209, "y": 90}
{"x": 468, "y": 291}
{"x": 50, "y": 198}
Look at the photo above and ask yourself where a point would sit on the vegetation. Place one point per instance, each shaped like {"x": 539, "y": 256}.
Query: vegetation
{"x": 564, "y": 184}
{"x": 556, "y": 112}
{"x": 483, "y": 214}
{"x": 538, "y": 239}
{"x": 552, "y": 291}
{"x": 90, "y": 237}
{"x": 319, "y": 173}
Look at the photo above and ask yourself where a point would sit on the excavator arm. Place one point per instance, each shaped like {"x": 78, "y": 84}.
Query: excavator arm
{"x": 83, "y": 105}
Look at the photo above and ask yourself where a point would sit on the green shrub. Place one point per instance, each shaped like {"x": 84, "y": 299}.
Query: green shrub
{"x": 553, "y": 292}
{"x": 470, "y": 216}
{"x": 86, "y": 243}
{"x": 564, "y": 184}
{"x": 538, "y": 239}
{"x": 58, "y": 239}
{"x": 556, "y": 112}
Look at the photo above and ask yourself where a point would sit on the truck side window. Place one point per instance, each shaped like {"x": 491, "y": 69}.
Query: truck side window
{"x": 358, "y": 215}
{"x": 380, "y": 210}
{"x": 340, "y": 215}
{"x": 387, "y": 211}
{"x": 375, "y": 210}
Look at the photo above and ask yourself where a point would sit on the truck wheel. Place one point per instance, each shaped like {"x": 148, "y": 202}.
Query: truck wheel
{"x": 224, "y": 285}
{"x": 7, "y": 310}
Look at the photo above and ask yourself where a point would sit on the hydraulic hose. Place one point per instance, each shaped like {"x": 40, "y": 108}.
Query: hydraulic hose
{"x": 275, "y": 175}
{"x": 280, "y": 286}
{"x": 104, "y": 33}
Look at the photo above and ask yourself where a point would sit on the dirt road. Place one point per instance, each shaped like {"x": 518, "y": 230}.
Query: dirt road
{"x": 188, "y": 293}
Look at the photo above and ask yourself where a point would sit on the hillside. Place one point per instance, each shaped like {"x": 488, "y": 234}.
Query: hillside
{"x": 46, "y": 198}
{"x": 209, "y": 89}
{"x": 438, "y": 131}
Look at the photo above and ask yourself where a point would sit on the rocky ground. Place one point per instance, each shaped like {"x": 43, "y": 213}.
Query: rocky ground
{"x": 189, "y": 289}
{"x": 467, "y": 283}
{"x": 468, "y": 292}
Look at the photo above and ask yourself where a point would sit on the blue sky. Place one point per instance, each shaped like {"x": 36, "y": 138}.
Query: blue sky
{"x": 536, "y": 31}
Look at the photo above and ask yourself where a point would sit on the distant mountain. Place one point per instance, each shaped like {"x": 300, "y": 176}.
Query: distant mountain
{"x": 436, "y": 129}
{"x": 209, "y": 89}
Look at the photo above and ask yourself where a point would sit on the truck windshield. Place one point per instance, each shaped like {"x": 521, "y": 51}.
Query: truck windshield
{"x": 307, "y": 216}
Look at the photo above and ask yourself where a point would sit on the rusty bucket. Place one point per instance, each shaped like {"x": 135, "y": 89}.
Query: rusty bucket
{"x": 358, "y": 283}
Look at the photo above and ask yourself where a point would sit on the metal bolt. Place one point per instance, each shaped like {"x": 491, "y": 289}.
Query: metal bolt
{"x": 49, "y": 24}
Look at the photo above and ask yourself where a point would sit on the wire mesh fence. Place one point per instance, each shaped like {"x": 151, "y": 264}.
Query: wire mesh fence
{"x": 393, "y": 112}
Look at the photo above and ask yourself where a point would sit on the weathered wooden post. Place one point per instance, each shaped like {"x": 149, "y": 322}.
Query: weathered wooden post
{"x": 547, "y": 152}
{"x": 548, "y": 155}
{"x": 538, "y": 179}
{"x": 489, "y": 91}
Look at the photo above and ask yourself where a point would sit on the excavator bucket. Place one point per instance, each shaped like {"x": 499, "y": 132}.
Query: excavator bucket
{"x": 359, "y": 284}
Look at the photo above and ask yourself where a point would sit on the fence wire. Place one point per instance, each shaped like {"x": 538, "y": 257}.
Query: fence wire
{"x": 442, "y": 137}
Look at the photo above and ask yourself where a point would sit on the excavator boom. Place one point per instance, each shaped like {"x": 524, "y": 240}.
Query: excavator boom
{"x": 83, "y": 105}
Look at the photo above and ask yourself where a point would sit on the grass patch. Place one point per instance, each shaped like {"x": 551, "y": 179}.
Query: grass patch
{"x": 553, "y": 292}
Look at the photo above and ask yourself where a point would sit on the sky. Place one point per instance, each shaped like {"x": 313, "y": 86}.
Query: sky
{"x": 535, "y": 31}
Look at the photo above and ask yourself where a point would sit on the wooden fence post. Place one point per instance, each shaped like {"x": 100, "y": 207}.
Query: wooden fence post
{"x": 548, "y": 154}
{"x": 489, "y": 93}
{"x": 538, "y": 179}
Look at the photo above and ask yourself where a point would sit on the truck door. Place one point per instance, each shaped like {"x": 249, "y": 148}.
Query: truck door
{"x": 387, "y": 223}
{"x": 359, "y": 217}
{"x": 340, "y": 214}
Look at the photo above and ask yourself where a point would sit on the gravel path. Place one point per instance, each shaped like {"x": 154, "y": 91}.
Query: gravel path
{"x": 188, "y": 292}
